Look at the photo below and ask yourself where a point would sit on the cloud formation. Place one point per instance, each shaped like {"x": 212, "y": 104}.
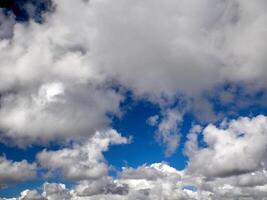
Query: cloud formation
{"x": 229, "y": 167}
{"x": 56, "y": 111}
{"x": 231, "y": 148}
{"x": 192, "y": 47}
{"x": 64, "y": 77}
{"x": 82, "y": 161}
{"x": 48, "y": 80}
{"x": 12, "y": 172}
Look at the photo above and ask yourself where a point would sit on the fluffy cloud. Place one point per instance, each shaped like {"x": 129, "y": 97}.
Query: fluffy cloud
{"x": 55, "y": 111}
{"x": 232, "y": 163}
{"x": 235, "y": 148}
{"x": 30, "y": 194}
{"x": 99, "y": 41}
{"x": 192, "y": 47}
{"x": 12, "y": 172}
{"x": 104, "y": 186}
{"x": 51, "y": 191}
{"x": 228, "y": 167}
{"x": 82, "y": 161}
{"x": 57, "y": 83}
{"x": 50, "y": 89}
{"x": 156, "y": 181}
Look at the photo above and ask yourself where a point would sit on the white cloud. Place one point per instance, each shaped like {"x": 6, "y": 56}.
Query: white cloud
{"x": 165, "y": 184}
{"x": 157, "y": 181}
{"x": 30, "y": 194}
{"x": 56, "y": 111}
{"x": 41, "y": 59}
{"x": 12, "y": 172}
{"x": 232, "y": 163}
{"x": 238, "y": 148}
{"x": 82, "y": 161}
{"x": 103, "y": 186}
{"x": 231, "y": 166}
{"x": 55, "y": 85}
{"x": 192, "y": 47}
{"x": 53, "y": 191}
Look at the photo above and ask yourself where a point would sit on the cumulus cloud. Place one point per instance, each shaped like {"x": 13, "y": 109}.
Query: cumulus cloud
{"x": 192, "y": 47}
{"x": 30, "y": 194}
{"x": 133, "y": 184}
{"x": 118, "y": 41}
{"x": 230, "y": 166}
{"x": 55, "y": 111}
{"x": 156, "y": 181}
{"x": 53, "y": 191}
{"x": 50, "y": 88}
{"x": 237, "y": 147}
{"x": 82, "y": 161}
{"x": 12, "y": 172}
{"x": 50, "y": 191}
{"x": 58, "y": 84}
{"x": 232, "y": 162}
{"x": 103, "y": 186}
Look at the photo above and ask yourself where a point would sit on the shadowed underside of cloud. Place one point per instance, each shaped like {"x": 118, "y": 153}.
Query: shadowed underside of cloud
{"x": 64, "y": 77}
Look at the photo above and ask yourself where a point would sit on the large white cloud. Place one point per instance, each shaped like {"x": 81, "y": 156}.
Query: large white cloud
{"x": 160, "y": 46}
{"x": 192, "y": 47}
{"x": 50, "y": 88}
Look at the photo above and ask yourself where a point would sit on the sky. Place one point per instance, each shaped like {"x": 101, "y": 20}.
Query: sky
{"x": 133, "y": 100}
